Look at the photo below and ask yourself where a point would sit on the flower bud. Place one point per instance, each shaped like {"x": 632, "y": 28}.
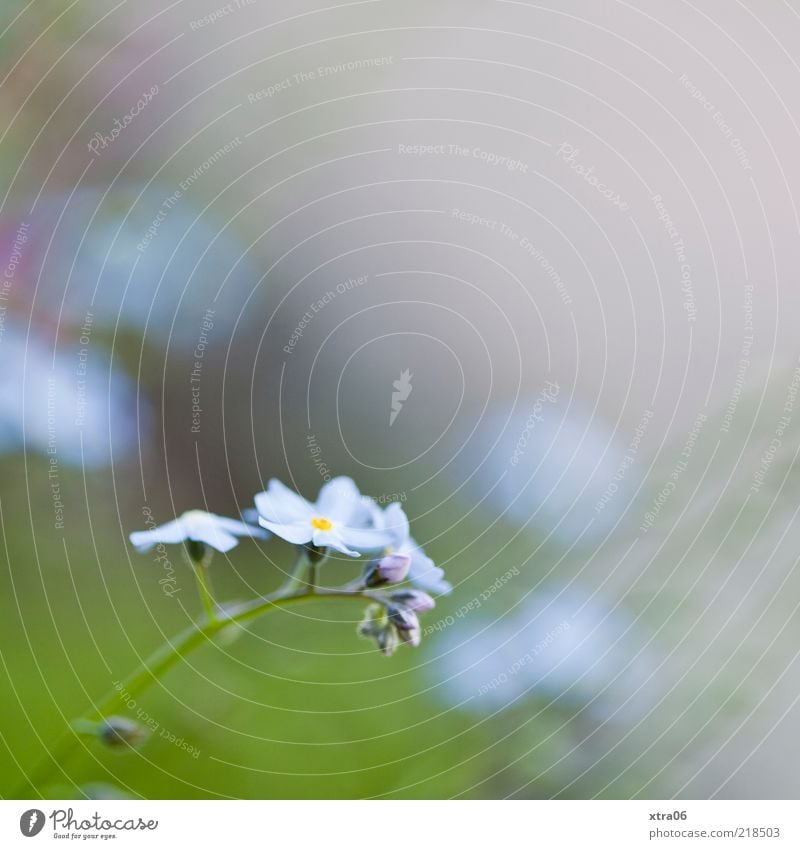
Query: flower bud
{"x": 371, "y": 624}
{"x": 118, "y": 732}
{"x": 417, "y": 600}
{"x": 403, "y": 618}
{"x": 412, "y": 637}
{"x": 376, "y": 626}
{"x": 387, "y": 640}
{"x": 390, "y": 569}
{"x": 405, "y": 622}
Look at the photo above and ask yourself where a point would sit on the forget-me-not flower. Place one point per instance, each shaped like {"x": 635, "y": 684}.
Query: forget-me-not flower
{"x": 197, "y": 526}
{"x": 339, "y": 519}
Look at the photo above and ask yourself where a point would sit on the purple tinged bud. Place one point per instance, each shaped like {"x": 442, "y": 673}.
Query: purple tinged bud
{"x": 405, "y": 622}
{"x": 403, "y": 618}
{"x": 390, "y": 569}
{"x": 417, "y": 600}
{"x": 412, "y": 638}
{"x": 393, "y": 568}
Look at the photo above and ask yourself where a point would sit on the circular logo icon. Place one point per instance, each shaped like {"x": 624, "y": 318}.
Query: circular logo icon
{"x": 31, "y": 822}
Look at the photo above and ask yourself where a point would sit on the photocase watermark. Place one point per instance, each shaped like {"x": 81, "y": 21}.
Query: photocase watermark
{"x": 317, "y": 306}
{"x": 152, "y": 724}
{"x": 627, "y": 461}
{"x": 53, "y": 469}
{"x": 32, "y": 822}
{"x": 185, "y": 184}
{"x": 719, "y": 120}
{"x": 81, "y": 369}
{"x": 768, "y": 457}
{"x": 570, "y": 154}
{"x": 744, "y": 360}
{"x": 402, "y": 392}
{"x": 67, "y": 827}
{"x": 10, "y": 272}
{"x": 525, "y": 660}
{"x": 102, "y": 141}
{"x": 488, "y": 157}
{"x": 206, "y": 326}
{"x": 168, "y": 582}
{"x": 318, "y": 73}
{"x": 219, "y": 13}
{"x": 679, "y": 248}
{"x": 523, "y": 242}
{"x": 474, "y": 604}
{"x": 548, "y": 395}
{"x": 675, "y": 475}
{"x": 315, "y": 451}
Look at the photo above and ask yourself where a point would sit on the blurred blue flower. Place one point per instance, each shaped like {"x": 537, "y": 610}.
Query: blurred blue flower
{"x": 563, "y": 647}
{"x": 144, "y": 262}
{"x": 72, "y": 406}
{"x": 566, "y": 473}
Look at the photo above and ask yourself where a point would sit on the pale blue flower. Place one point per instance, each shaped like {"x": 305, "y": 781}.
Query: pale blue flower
{"x": 568, "y": 474}
{"x": 422, "y": 572}
{"x": 71, "y": 403}
{"x": 138, "y": 259}
{"x": 565, "y": 647}
{"x": 339, "y": 519}
{"x": 198, "y": 526}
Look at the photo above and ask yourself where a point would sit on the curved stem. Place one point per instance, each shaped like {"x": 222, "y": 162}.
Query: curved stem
{"x": 174, "y": 650}
{"x": 296, "y": 579}
{"x": 199, "y": 559}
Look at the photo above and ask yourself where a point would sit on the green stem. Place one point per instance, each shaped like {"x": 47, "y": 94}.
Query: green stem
{"x": 199, "y": 558}
{"x": 296, "y": 580}
{"x": 295, "y": 589}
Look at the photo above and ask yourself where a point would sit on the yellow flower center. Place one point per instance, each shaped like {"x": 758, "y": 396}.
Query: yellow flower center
{"x": 321, "y": 523}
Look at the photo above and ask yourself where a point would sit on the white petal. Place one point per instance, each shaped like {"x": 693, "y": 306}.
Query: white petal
{"x": 366, "y": 539}
{"x": 425, "y": 574}
{"x": 298, "y": 533}
{"x": 341, "y": 501}
{"x": 280, "y": 504}
{"x": 395, "y": 522}
{"x": 169, "y": 533}
{"x": 332, "y": 539}
{"x": 376, "y": 515}
{"x": 144, "y": 540}
{"x": 250, "y": 515}
{"x": 216, "y": 537}
{"x": 241, "y": 529}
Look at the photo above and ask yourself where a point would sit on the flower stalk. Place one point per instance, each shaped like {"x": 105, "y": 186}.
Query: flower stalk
{"x": 296, "y": 589}
{"x": 199, "y": 557}
{"x": 340, "y": 520}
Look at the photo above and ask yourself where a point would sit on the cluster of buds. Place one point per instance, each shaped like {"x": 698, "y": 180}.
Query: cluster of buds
{"x": 393, "y": 617}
